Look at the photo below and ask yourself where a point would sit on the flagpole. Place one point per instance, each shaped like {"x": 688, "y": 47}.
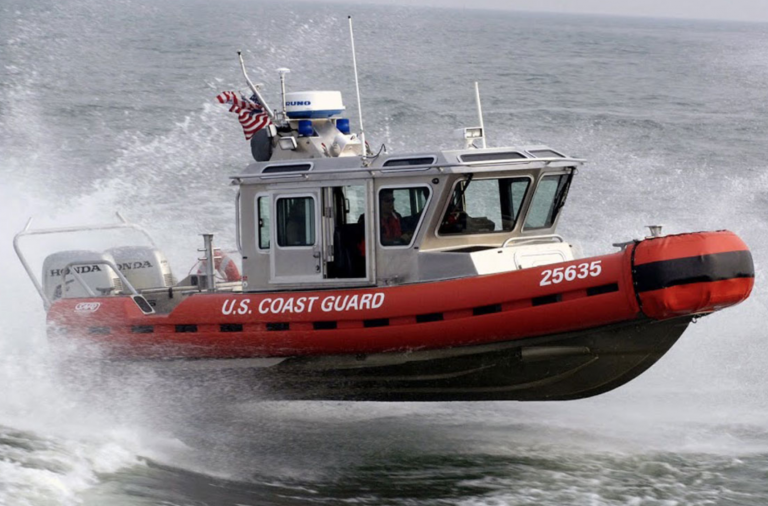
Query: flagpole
{"x": 357, "y": 87}
{"x": 255, "y": 90}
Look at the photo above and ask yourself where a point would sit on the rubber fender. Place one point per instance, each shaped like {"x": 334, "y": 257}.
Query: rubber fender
{"x": 695, "y": 273}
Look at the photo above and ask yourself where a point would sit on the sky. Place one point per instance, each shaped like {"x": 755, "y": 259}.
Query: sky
{"x": 738, "y": 10}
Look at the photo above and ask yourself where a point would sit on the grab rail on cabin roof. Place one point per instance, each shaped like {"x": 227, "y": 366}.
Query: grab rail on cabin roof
{"x": 440, "y": 167}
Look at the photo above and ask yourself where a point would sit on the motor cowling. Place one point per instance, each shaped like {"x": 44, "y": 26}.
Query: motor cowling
{"x": 58, "y": 280}
{"x": 143, "y": 266}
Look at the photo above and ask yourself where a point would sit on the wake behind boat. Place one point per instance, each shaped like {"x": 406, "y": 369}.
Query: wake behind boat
{"x": 436, "y": 275}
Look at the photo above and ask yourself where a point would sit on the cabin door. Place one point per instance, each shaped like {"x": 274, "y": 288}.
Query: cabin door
{"x": 296, "y": 255}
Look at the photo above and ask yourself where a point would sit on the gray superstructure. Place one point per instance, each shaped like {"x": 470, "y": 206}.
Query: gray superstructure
{"x": 505, "y": 203}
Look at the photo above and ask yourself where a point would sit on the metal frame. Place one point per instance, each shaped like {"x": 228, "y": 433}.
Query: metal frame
{"x": 25, "y": 232}
{"x": 126, "y": 284}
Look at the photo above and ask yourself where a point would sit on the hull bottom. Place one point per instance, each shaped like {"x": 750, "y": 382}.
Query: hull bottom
{"x": 558, "y": 367}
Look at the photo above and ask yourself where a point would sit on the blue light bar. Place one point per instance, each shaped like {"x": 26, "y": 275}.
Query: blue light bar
{"x": 343, "y": 125}
{"x": 305, "y": 128}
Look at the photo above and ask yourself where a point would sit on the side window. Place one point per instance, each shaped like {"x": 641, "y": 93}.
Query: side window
{"x": 547, "y": 201}
{"x": 400, "y": 211}
{"x": 296, "y": 221}
{"x": 262, "y": 206}
{"x": 354, "y": 203}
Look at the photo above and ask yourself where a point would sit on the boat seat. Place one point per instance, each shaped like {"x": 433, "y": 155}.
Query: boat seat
{"x": 348, "y": 261}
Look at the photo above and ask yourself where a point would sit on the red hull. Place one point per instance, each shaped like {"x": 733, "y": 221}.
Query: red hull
{"x": 660, "y": 278}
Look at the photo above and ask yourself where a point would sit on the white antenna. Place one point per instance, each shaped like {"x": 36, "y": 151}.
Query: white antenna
{"x": 480, "y": 113}
{"x": 357, "y": 86}
{"x": 282, "y": 72}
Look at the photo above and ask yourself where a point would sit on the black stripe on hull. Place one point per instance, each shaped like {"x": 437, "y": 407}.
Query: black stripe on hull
{"x": 698, "y": 269}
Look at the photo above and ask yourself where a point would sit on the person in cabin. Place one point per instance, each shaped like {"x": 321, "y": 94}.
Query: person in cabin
{"x": 391, "y": 223}
{"x": 391, "y": 229}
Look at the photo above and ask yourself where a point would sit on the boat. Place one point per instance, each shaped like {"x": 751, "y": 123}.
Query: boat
{"x": 430, "y": 276}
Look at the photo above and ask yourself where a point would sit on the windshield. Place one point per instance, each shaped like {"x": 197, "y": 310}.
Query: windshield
{"x": 482, "y": 206}
{"x": 547, "y": 201}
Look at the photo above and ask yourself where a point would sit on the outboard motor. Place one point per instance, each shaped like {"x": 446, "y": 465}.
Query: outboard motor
{"x": 58, "y": 281}
{"x": 143, "y": 266}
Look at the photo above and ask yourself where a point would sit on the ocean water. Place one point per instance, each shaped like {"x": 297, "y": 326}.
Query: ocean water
{"x": 109, "y": 107}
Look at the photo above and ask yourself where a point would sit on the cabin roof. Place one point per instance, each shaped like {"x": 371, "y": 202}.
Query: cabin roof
{"x": 478, "y": 160}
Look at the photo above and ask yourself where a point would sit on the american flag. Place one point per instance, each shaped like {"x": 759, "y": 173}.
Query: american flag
{"x": 250, "y": 113}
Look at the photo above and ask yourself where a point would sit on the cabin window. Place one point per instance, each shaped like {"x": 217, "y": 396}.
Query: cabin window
{"x": 296, "y": 221}
{"x": 407, "y": 162}
{"x": 545, "y": 153}
{"x": 484, "y": 206}
{"x": 279, "y": 169}
{"x": 400, "y": 211}
{"x": 263, "y": 217}
{"x": 490, "y": 157}
{"x": 547, "y": 201}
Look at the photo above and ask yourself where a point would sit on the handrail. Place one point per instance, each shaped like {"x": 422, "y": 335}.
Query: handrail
{"x": 86, "y": 228}
{"x": 528, "y": 238}
{"x": 137, "y": 298}
{"x": 69, "y": 270}
{"x": 25, "y": 232}
{"x": 80, "y": 279}
{"x": 440, "y": 167}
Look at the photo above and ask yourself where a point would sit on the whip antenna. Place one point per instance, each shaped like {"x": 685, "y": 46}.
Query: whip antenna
{"x": 357, "y": 87}
{"x": 282, "y": 72}
{"x": 480, "y": 113}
